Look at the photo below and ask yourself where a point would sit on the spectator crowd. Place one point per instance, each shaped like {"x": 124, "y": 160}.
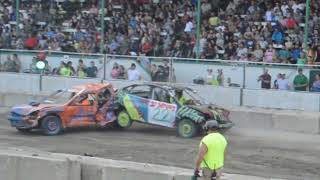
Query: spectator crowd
{"x": 246, "y": 30}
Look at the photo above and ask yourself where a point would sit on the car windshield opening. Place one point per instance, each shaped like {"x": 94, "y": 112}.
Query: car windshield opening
{"x": 59, "y": 97}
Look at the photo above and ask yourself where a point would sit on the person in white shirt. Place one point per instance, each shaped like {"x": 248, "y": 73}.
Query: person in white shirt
{"x": 133, "y": 73}
{"x": 189, "y": 26}
{"x": 283, "y": 83}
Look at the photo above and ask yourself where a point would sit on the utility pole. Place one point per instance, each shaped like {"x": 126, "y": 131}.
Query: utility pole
{"x": 306, "y": 26}
{"x": 17, "y": 17}
{"x": 102, "y": 3}
{"x": 198, "y": 28}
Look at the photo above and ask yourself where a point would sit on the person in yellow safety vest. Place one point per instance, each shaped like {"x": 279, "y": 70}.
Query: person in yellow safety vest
{"x": 211, "y": 153}
{"x": 65, "y": 71}
{"x": 82, "y": 72}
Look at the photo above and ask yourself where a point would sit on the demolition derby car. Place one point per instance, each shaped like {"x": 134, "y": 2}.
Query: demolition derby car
{"x": 169, "y": 106}
{"x": 84, "y": 105}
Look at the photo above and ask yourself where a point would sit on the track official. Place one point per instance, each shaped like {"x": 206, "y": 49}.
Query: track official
{"x": 212, "y": 153}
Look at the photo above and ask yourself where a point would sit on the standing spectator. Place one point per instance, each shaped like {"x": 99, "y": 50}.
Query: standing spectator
{"x": 160, "y": 75}
{"x": 115, "y": 72}
{"x": 70, "y": 67}
{"x": 166, "y": 69}
{"x": 17, "y": 61}
{"x": 122, "y": 72}
{"x": 10, "y": 65}
{"x": 275, "y": 82}
{"x": 265, "y": 79}
{"x": 92, "y": 71}
{"x": 316, "y": 84}
{"x": 300, "y": 82}
{"x": 220, "y": 77}
{"x": 283, "y": 83}
{"x": 210, "y": 77}
{"x": 153, "y": 71}
{"x": 133, "y": 73}
{"x": 81, "y": 69}
{"x": 64, "y": 70}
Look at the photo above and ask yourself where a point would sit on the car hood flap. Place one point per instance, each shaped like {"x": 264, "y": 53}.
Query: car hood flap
{"x": 27, "y": 109}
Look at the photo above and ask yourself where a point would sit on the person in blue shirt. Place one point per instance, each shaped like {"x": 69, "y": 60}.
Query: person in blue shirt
{"x": 277, "y": 36}
{"x": 295, "y": 53}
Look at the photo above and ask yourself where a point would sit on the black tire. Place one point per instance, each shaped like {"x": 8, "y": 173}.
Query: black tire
{"x": 24, "y": 131}
{"x": 123, "y": 120}
{"x": 51, "y": 125}
{"x": 187, "y": 128}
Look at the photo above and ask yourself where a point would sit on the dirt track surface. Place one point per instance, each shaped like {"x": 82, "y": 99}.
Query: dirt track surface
{"x": 267, "y": 154}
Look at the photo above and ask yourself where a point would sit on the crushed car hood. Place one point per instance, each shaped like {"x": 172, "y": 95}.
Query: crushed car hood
{"x": 27, "y": 109}
{"x": 211, "y": 110}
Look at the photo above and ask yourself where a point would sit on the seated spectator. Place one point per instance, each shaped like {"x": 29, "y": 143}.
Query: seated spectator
{"x": 258, "y": 53}
{"x": 302, "y": 59}
{"x": 277, "y": 36}
{"x": 295, "y": 53}
{"x": 284, "y": 55}
{"x": 316, "y": 84}
{"x": 269, "y": 55}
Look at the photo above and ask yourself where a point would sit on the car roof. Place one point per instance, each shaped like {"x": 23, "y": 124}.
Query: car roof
{"x": 167, "y": 86}
{"x": 90, "y": 87}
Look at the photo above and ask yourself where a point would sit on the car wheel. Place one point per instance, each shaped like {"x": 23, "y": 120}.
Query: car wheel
{"x": 51, "y": 125}
{"x": 24, "y": 130}
{"x": 187, "y": 128}
{"x": 123, "y": 120}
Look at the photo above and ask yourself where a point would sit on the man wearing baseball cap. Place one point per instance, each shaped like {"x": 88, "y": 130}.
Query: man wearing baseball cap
{"x": 212, "y": 153}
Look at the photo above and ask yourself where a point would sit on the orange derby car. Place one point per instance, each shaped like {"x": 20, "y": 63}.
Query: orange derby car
{"x": 83, "y": 105}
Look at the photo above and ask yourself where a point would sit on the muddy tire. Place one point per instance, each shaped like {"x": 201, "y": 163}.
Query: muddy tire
{"x": 123, "y": 120}
{"x": 187, "y": 128}
{"x": 51, "y": 125}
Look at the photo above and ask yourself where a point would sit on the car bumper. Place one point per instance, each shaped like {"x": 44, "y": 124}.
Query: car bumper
{"x": 22, "y": 122}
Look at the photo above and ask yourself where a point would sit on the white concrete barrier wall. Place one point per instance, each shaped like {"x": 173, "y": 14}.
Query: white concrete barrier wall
{"x": 51, "y": 83}
{"x": 19, "y": 82}
{"x": 228, "y": 97}
{"x": 28, "y": 166}
{"x": 36, "y": 165}
{"x": 282, "y": 99}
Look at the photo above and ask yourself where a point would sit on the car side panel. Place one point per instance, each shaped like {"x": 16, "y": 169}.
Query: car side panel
{"x": 150, "y": 111}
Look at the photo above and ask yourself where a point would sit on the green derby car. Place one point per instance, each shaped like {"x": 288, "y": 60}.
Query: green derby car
{"x": 159, "y": 105}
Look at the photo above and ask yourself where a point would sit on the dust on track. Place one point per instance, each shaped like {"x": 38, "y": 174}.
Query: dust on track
{"x": 267, "y": 154}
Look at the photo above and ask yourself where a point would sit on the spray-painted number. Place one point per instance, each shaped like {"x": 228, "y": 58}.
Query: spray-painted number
{"x": 161, "y": 115}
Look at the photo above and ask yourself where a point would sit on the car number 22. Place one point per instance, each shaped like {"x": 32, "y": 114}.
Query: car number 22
{"x": 161, "y": 115}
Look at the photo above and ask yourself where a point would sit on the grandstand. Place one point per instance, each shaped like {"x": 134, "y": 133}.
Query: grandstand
{"x": 230, "y": 30}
